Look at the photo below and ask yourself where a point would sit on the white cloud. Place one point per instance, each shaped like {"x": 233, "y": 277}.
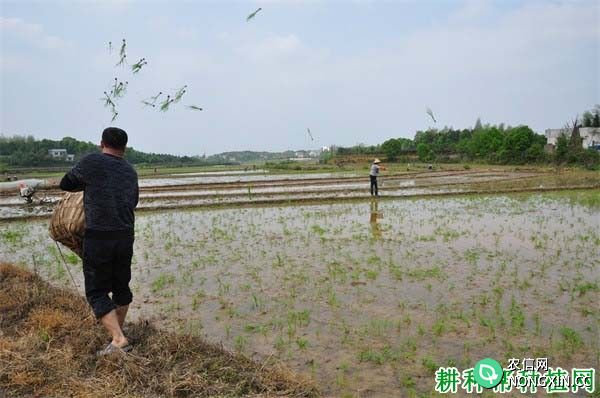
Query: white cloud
{"x": 271, "y": 48}
{"x": 14, "y": 63}
{"x": 186, "y": 33}
{"x": 20, "y": 27}
{"x": 472, "y": 10}
{"x": 32, "y": 33}
{"x": 159, "y": 22}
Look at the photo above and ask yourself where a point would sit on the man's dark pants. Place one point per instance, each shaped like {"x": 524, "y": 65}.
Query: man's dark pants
{"x": 374, "y": 186}
{"x": 107, "y": 269}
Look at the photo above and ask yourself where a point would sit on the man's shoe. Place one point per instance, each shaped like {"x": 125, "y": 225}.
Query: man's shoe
{"x": 113, "y": 349}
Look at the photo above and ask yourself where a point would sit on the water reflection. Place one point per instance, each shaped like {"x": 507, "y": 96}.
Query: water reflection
{"x": 375, "y": 214}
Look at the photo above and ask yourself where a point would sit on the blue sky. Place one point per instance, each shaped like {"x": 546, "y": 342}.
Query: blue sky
{"x": 352, "y": 71}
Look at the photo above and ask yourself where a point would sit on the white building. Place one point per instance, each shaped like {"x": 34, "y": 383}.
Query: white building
{"x": 57, "y": 153}
{"x": 590, "y": 136}
{"x": 61, "y": 154}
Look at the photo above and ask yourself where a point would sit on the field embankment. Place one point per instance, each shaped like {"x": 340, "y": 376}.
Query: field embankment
{"x": 48, "y": 340}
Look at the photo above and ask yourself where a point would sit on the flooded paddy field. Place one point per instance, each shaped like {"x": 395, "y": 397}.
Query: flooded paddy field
{"x": 227, "y": 190}
{"x": 368, "y": 298}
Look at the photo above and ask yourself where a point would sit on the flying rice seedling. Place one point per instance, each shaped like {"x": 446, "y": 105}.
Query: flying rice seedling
{"x": 135, "y": 68}
{"x": 152, "y": 100}
{"x": 107, "y": 101}
{"x": 179, "y": 94}
{"x": 166, "y": 103}
{"x": 120, "y": 90}
{"x": 252, "y": 15}
{"x": 122, "y": 54}
{"x": 122, "y": 61}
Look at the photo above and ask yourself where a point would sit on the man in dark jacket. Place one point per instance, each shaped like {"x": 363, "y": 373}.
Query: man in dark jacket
{"x": 111, "y": 193}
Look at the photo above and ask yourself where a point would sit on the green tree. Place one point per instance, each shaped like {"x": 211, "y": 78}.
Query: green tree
{"x": 393, "y": 147}
{"x": 485, "y": 142}
{"x": 587, "y": 119}
{"x": 562, "y": 148}
{"x": 535, "y": 153}
{"x": 516, "y": 142}
{"x": 424, "y": 152}
{"x": 596, "y": 119}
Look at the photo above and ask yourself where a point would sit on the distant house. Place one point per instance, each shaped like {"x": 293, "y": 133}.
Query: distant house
{"x": 590, "y": 136}
{"x": 61, "y": 154}
{"x": 57, "y": 153}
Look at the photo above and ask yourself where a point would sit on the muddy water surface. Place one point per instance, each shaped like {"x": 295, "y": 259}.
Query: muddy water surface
{"x": 369, "y": 298}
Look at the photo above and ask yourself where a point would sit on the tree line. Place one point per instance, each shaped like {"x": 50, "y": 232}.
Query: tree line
{"x": 496, "y": 144}
{"x": 27, "y": 151}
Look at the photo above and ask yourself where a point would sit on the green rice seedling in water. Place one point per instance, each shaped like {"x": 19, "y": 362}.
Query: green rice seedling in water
{"x": 302, "y": 343}
{"x": 572, "y": 341}
{"x": 240, "y": 343}
{"x": 447, "y": 234}
{"x": 379, "y": 357}
{"x": 371, "y": 274}
{"x": 407, "y": 381}
{"x": 472, "y": 256}
{"x": 159, "y": 283}
{"x": 337, "y": 272}
{"x": 318, "y": 230}
{"x": 378, "y": 327}
{"x": 424, "y": 273}
{"x": 585, "y": 287}
{"x": 439, "y": 327}
{"x": 395, "y": 271}
{"x": 256, "y": 328}
{"x": 280, "y": 343}
{"x": 430, "y": 365}
{"x": 517, "y": 318}
{"x": 223, "y": 287}
{"x": 332, "y": 299}
{"x": 257, "y": 303}
{"x": 12, "y": 237}
{"x": 490, "y": 325}
{"x": 279, "y": 261}
{"x": 71, "y": 258}
{"x": 197, "y": 299}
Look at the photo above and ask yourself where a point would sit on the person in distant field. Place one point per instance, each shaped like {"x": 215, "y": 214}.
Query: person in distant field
{"x": 111, "y": 193}
{"x": 375, "y": 167}
{"x": 26, "y": 192}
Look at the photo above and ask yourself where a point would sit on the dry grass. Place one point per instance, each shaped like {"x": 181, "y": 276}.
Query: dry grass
{"x": 48, "y": 341}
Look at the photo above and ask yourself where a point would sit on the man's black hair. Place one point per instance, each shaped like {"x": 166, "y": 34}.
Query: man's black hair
{"x": 114, "y": 137}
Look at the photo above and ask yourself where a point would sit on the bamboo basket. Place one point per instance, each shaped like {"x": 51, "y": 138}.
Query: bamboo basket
{"x": 67, "y": 224}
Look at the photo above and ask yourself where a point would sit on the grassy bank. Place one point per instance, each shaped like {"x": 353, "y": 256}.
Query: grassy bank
{"x": 48, "y": 340}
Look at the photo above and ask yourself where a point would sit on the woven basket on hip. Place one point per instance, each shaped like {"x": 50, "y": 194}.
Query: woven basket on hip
{"x": 67, "y": 224}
